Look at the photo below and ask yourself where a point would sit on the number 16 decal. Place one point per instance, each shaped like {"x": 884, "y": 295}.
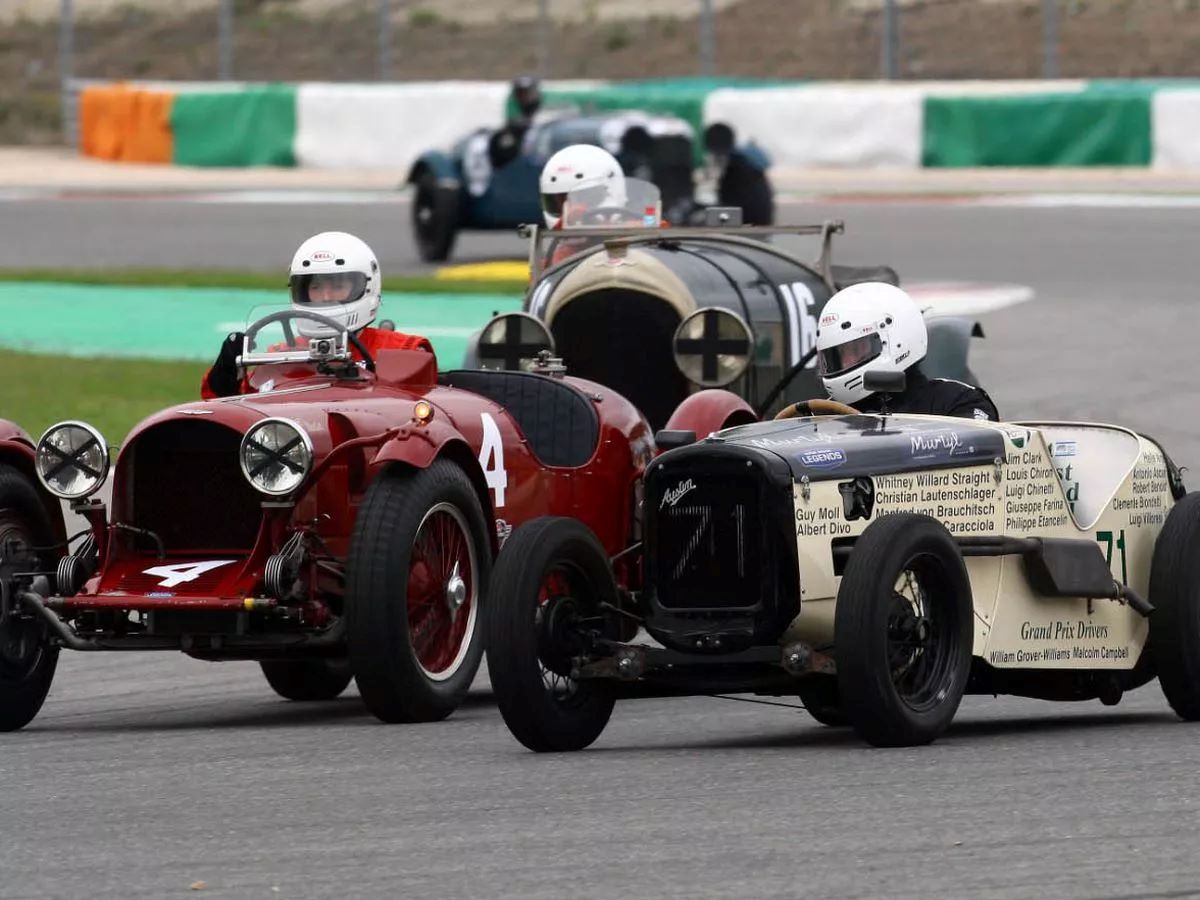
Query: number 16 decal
{"x": 491, "y": 457}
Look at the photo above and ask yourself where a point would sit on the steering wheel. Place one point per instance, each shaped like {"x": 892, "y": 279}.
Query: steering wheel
{"x": 285, "y": 317}
{"x": 817, "y": 407}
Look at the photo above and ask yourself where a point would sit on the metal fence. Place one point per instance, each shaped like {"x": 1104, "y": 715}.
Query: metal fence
{"x": 386, "y": 39}
{"x": 787, "y": 39}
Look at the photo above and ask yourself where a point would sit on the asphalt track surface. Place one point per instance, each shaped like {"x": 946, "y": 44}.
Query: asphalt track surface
{"x": 145, "y": 774}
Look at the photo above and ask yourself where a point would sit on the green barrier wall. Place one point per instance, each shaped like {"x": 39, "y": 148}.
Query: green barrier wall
{"x": 1102, "y": 127}
{"x": 252, "y": 127}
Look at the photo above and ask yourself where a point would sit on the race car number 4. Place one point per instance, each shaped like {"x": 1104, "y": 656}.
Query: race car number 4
{"x": 491, "y": 458}
{"x": 180, "y": 573}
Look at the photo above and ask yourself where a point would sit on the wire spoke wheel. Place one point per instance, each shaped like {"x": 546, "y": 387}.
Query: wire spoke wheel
{"x": 563, "y": 601}
{"x": 441, "y": 596}
{"x": 416, "y": 582}
{"x": 551, "y": 584}
{"x": 920, "y": 635}
{"x": 903, "y": 631}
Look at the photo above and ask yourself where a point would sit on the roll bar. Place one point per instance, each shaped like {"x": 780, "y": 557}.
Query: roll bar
{"x": 617, "y": 238}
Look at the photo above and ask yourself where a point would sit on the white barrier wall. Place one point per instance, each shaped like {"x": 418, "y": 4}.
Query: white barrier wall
{"x": 826, "y": 125}
{"x": 1175, "y": 119}
{"x": 848, "y": 124}
{"x": 389, "y": 125}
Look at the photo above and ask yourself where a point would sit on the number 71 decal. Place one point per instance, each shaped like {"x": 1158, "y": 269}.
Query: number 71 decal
{"x": 1106, "y": 537}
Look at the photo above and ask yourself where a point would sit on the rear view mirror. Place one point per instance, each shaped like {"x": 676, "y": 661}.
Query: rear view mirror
{"x": 512, "y": 342}
{"x": 669, "y": 440}
{"x": 713, "y": 347}
{"x": 885, "y": 382}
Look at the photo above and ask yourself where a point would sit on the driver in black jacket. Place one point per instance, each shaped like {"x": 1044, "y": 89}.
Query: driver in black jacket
{"x": 877, "y": 327}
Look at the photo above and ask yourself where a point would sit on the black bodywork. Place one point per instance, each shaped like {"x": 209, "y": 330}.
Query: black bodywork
{"x": 620, "y": 333}
{"x": 720, "y": 564}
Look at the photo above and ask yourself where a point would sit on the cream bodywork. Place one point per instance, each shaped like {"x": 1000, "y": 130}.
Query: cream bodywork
{"x": 1057, "y": 480}
{"x": 631, "y": 270}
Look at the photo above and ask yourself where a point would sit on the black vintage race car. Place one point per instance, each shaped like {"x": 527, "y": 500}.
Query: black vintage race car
{"x": 660, "y": 314}
{"x": 489, "y": 179}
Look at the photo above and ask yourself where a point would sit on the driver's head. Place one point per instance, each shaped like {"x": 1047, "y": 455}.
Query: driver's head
{"x": 580, "y": 168}
{"x": 527, "y": 94}
{"x": 864, "y": 328}
{"x": 719, "y": 141}
{"x": 335, "y": 275}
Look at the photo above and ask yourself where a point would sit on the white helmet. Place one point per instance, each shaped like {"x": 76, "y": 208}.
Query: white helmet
{"x": 580, "y": 166}
{"x": 869, "y": 327}
{"x": 336, "y": 275}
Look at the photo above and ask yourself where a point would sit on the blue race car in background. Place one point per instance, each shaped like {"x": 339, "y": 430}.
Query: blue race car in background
{"x": 489, "y": 179}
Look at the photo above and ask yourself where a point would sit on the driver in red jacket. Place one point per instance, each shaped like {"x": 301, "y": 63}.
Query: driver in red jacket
{"x": 335, "y": 275}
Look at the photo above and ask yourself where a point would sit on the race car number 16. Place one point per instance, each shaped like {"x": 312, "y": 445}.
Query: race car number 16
{"x": 802, "y": 319}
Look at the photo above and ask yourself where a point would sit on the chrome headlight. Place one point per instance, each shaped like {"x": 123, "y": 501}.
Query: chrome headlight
{"x": 276, "y": 456}
{"x": 72, "y": 460}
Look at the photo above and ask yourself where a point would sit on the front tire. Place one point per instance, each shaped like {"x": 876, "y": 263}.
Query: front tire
{"x": 27, "y": 658}
{"x": 419, "y": 565}
{"x": 307, "y": 679}
{"x": 903, "y": 631}
{"x": 1175, "y": 593}
{"x": 434, "y": 218}
{"x": 551, "y": 574}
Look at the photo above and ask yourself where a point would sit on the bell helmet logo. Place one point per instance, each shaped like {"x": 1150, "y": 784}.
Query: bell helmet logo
{"x": 828, "y": 319}
{"x": 823, "y": 458}
{"x": 322, "y": 256}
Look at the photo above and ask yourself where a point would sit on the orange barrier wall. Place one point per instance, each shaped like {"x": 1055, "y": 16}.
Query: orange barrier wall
{"x": 127, "y": 124}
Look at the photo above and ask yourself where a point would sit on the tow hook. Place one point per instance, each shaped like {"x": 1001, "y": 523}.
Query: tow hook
{"x": 800, "y": 659}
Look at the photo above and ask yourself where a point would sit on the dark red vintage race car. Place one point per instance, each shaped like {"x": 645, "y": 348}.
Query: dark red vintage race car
{"x": 341, "y": 522}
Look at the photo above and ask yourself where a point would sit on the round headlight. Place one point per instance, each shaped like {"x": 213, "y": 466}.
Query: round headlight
{"x": 276, "y": 456}
{"x": 72, "y": 460}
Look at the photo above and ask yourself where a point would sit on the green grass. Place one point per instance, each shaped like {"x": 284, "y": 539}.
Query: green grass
{"x": 204, "y": 278}
{"x": 111, "y": 394}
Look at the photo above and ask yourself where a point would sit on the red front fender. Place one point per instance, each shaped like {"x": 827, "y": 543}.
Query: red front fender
{"x": 707, "y": 411}
{"x": 419, "y": 445}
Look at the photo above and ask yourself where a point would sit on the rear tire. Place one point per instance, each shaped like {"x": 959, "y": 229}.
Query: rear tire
{"x": 819, "y": 695}
{"x": 27, "y": 658}
{"x": 903, "y": 631}
{"x": 1175, "y": 593}
{"x": 307, "y": 679}
{"x": 549, "y": 567}
{"x": 419, "y": 565}
{"x": 434, "y": 218}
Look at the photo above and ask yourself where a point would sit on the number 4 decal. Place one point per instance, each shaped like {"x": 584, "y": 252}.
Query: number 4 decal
{"x": 491, "y": 457}
{"x": 180, "y": 572}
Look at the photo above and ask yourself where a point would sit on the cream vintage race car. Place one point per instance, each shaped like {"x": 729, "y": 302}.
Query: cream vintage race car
{"x": 878, "y": 567}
